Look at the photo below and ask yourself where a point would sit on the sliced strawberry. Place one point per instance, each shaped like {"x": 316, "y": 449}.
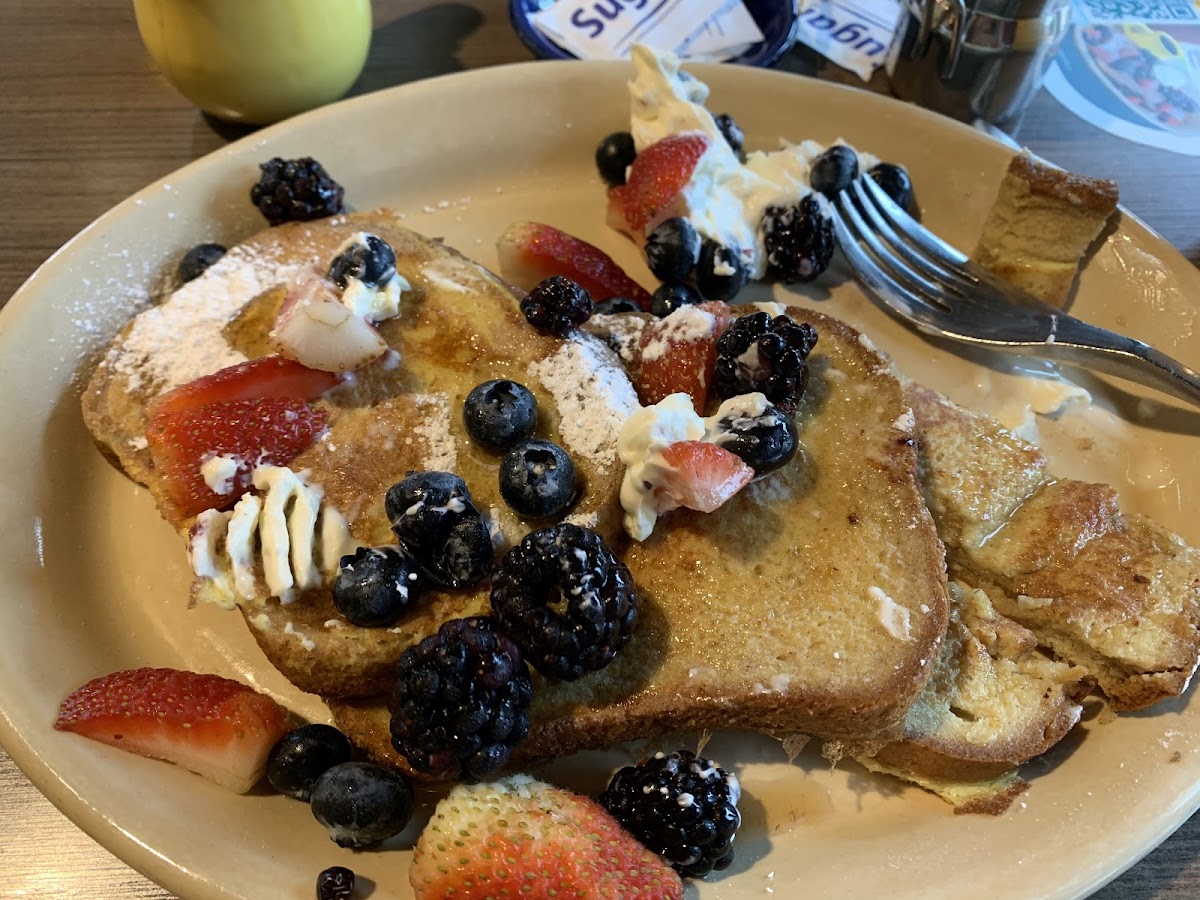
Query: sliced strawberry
{"x": 213, "y": 726}
{"x": 268, "y": 376}
{"x": 531, "y": 252}
{"x": 523, "y": 838}
{"x": 700, "y": 476}
{"x": 267, "y": 431}
{"x": 657, "y": 175}
{"x": 678, "y": 354}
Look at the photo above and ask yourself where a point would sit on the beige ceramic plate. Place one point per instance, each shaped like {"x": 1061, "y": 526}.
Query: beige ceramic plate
{"x": 94, "y": 581}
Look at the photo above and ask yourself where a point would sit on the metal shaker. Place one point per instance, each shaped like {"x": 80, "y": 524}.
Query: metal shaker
{"x": 975, "y": 59}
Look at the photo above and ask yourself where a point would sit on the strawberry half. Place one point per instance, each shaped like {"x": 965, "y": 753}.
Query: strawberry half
{"x": 656, "y": 177}
{"x": 519, "y": 837}
{"x": 268, "y": 376}
{"x": 264, "y": 431}
{"x": 700, "y": 476}
{"x": 679, "y": 353}
{"x": 210, "y": 725}
{"x": 531, "y": 252}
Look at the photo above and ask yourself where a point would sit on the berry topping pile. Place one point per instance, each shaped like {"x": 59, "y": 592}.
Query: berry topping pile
{"x": 369, "y": 259}
{"x": 375, "y": 585}
{"x": 210, "y": 725}
{"x": 799, "y": 240}
{"x": 682, "y": 807}
{"x": 197, "y": 260}
{"x": 537, "y": 479}
{"x": 296, "y": 190}
{"x": 566, "y": 600}
{"x": 440, "y": 528}
{"x": 557, "y": 305}
{"x": 460, "y": 701}
{"x": 614, "y": 155}
{"x": 531, "y": 252}
{"x": 833, "y": 170}
{"x": 767, "y": 355}
{"x": 361, "y": 803}
{"x": 302, "y": 756}
{"x": 500, "y": 413}
{"x": 518, "y": 837}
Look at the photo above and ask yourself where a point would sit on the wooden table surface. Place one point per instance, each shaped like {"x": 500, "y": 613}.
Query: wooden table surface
{"x": 85, "y": 121}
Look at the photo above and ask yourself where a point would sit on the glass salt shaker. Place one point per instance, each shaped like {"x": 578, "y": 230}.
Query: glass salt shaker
{"x": 980, "y": 61}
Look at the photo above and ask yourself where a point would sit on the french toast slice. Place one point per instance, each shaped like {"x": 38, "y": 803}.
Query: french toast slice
{"x": 812, "y": 602}
{"x": 993, "y": 703}
{"x": 458, "y": 326}
{"x": 1115, "y": 593}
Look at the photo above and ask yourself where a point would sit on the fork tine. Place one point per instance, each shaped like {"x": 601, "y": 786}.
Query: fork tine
{"x": 914, "y": 230}
{"x": 886, "y": 258}
{"x": 947, "y": 276}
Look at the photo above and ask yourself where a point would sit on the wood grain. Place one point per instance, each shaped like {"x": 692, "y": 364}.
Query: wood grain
{"x": 85, "y": 121}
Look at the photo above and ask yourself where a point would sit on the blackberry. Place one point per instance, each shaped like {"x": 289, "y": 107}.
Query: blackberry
{"x": 895, "y": 183}
{"x": 669, "y": 297}
{"x": 335, "y": 883}
{"x": 761, "y": 435}
{"x": 361, "y": 803}
{"x": 302, "y": 756}
{"x": 366, "y": 257}
{"x": 798, "y": 239}
{"x": 436, "y": 522}
{"x": 759, "y": 353}
{"x": 537, "y": 479}
{"x": 672, "y": 250}
{"x": 500, "y": 413}
{"x": 556, "y": 305}
{"x": 566, "y": 600}
{"x": 680, "y": 806}
{"x": 461, "y": 699}
{"x": 614, "y": 305}
{"x": 296, "y": 190}
{"x": 721, "y": 273}
{"x": 833, "y": 170}
{"x": 197, "y": 260}
{"x": 374, "y": 585}
{"x": 734, "y": 136}
{"x": 614, "y": 155}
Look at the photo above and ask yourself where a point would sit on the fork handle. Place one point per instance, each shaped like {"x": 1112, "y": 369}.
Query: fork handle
{"x": 1088, "y": 346}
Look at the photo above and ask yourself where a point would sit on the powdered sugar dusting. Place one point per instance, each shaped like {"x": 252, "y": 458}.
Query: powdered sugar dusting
{"x": 182, "y": 339}
{"x": 434, "y": 429}
{"x": 592, "y": 393}
{"x": 620, "y": 331}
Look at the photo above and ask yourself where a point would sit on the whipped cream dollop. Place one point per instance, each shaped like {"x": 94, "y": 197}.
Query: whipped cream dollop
{"x": 653, "y": 428}
{"x": 286, "y": 534}
{"x": 725, "y": 198}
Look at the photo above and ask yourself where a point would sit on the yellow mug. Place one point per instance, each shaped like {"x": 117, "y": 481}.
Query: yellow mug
{"x": 257, "y": 61}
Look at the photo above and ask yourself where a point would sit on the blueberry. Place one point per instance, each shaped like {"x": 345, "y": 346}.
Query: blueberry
{"x": 199, "y": 258}
{"x": 362, "y": 803}
{"x": 537, "y": 479}
{"x": 732, "y": 133}
{"x": 895, "y": 183}
{"x": 614, "y": 155}
{"x": 672, "y": 250}
{"x": 436, "y": 522}
{"x": 614, "y": 305}
{"x": 335, "y": 883}
{"x": 500, "y": 413}
{"x": 764, "y": 442}
{"x": 302, "y": 756}
{"x": 368, "y": 258}
{"x": 721, "y": 273}
{"x": 670, "y": 297}
{"x": 833, "y": 170}
{"x": 374, "y": 585}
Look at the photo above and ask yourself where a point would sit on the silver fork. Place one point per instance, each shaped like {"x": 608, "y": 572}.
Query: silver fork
{"x": 921, "y": 278}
